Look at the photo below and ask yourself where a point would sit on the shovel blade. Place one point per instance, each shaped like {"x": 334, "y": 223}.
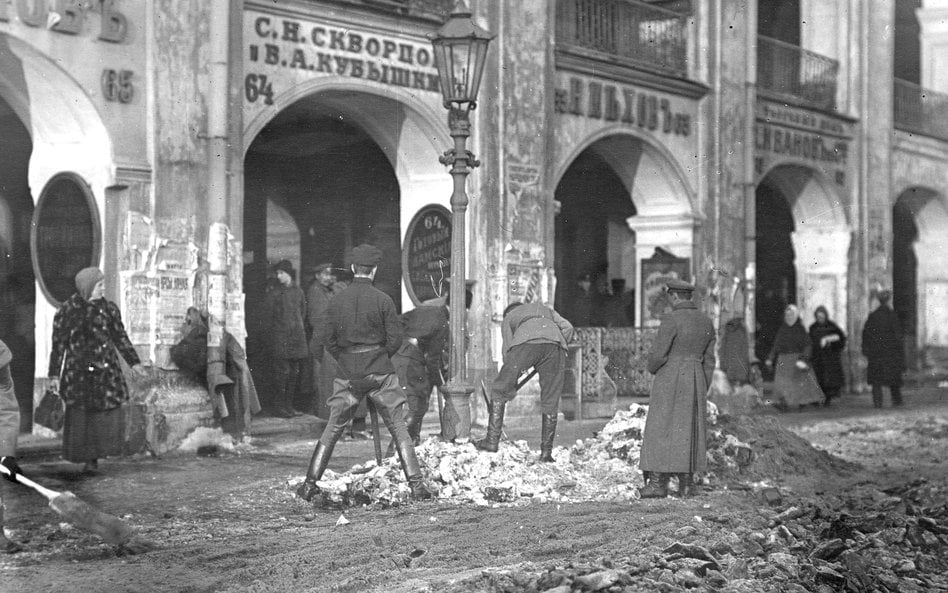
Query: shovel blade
{"x": 82, "y": 516}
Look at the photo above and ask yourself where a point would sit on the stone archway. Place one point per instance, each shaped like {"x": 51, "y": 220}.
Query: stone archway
{"x": 661, "y": 207}
{"x": 920, "y": 277}
{"x": 820, "y": 237}
{"x": 48, "y": 125}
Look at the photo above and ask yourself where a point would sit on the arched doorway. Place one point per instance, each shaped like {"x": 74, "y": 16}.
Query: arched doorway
{"x": 919, "y": 275}
{"x": 802, "y": 250}
{"x": 337, "y": 165}
{"x": 621, "y": 199}
{"x": 17, "y": 282}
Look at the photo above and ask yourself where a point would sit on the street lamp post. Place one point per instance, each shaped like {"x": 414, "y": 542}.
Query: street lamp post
{"x": 460, "y": 47}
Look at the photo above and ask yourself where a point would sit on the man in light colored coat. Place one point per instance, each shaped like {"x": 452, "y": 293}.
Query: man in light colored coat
{"x": 9, "y": 428}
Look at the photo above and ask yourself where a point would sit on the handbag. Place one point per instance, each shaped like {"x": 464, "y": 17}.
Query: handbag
{"x": 51, "y": 411}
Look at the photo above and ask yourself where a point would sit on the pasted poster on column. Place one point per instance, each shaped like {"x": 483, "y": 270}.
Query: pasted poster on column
{"x": 523, "y": 283}
{"x": 656, "y": 271}
{"x": 525, "y": 210}
{"x": 140, "y": 311}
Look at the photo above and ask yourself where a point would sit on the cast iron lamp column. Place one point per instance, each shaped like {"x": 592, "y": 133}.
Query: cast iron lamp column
{"x": 460, "y": 47}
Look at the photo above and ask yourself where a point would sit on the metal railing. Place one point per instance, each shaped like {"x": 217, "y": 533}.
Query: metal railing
{"x": 919, "y": 110}
{"x": 630, "y": 30}
{"x": 791, "y": 71}
{"x": 432, "y": 10}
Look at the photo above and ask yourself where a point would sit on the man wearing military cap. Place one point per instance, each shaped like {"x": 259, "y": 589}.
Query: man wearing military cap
{"x": 318, "y": 296}
{"x": 362, "y": 332}
{"x": 285, "y": 308}
{"x": 682, "y": 360}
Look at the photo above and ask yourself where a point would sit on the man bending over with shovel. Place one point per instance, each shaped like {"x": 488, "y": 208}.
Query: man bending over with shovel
{"x": 534, "y": 335}
{"x": 9, "y": 427}
{"x": 363, "y": 332}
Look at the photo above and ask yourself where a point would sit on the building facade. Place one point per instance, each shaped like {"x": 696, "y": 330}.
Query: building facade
{"x": 773, "y": 152}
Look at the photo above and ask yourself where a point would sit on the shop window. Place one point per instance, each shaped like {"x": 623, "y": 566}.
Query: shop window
{"x": 66, "y": 236}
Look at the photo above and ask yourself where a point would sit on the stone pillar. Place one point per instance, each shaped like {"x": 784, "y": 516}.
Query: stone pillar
{"x": 822, "y": 262}
{"x": 933, "y": 22}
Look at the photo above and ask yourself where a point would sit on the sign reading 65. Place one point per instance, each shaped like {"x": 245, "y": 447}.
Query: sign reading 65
{"x": 117, "y": 85}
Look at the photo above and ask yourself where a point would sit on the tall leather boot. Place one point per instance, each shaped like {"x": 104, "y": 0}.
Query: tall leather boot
{"x": 547, "y": 434}
{"x": 317, "y": 465}
{"x": 877, "y": 396}
{"x": 495, "y": 425}
{"x": 657, "y": 486}
{"x": 686, "y": 485}
{"x": 412, "y": 469}
{"x": 896, "y": 393}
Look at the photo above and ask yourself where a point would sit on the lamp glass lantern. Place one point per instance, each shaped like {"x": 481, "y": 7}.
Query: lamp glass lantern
{"x": 460, "y": 48}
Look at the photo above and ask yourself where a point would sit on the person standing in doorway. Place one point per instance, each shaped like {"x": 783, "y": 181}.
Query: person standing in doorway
{"x": 88, "y": 337}
{"x": 828, "y": 342}
{"x": 285, "y": 308}
{"x": 682, "y": 360}
{"x": 363, "y": 332}
{"x": 318, "y": 296}
{"x": 534, "y": 335}
{"x": 882, "y": 347}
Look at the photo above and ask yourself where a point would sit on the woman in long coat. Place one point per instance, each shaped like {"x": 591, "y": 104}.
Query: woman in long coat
{"x": 682, "y": 360}
{"x": 794, "y": 381}
{"x": 88, "y": 336}
{"x": 828, "y": 342}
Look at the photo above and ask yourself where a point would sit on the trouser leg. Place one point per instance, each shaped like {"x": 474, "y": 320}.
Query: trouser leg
{"x": 341, "y": 405}
{"x": 390, "y": 403}
{"x": 281, "y": 373}
{"x": 877, "y": 396}
{"x": 896, "y": 391}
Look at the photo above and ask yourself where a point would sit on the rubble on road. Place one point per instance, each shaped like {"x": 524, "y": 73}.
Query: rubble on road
{"x": 866, "y": 540}
{"x": 601, "y": 468}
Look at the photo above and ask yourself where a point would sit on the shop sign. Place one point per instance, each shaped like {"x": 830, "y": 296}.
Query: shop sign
{"x": 285, "y": 44}
{"x": 622, "y": 103}
{"x": 66, "y": 235}
{"x": 68, "y": 16}
{"x": 426, "y": 255}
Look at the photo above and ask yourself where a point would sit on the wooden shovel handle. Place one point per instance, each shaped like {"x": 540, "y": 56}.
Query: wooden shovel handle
{"x": 49, "y": 494}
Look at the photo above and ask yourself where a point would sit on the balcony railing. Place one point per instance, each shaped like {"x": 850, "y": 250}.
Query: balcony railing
{"x": 629, "y": 30}
{"x": 431, "y": 10}
{"x": 793, "y": 72}
{"x": 920, "y": 111}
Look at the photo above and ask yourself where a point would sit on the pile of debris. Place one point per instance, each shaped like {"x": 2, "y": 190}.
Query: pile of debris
{"x": 602, "y": 468}
{"x": 868, "y": 540}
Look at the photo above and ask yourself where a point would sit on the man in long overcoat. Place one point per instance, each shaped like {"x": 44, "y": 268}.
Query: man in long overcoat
{"x": 363, "y": 332}
{"x": 682, "y": 360}
{"x": 285, "y": 308}
{"x": 882, "y": 346}
{"x": 318, "y": 296}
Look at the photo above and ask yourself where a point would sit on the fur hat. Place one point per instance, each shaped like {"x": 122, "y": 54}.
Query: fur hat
{"x": 285, "y": 265}
{"x": 86, "y": 280}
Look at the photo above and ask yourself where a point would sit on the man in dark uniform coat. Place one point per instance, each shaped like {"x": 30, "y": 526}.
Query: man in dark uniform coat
{"x": 682, "y": 360}
{"x": 318, "y": 296}
{"x": 420, "y": 360}
{"x": 285, "y": 308}
{"x": 882, "y": 346}
{"x": 534, "y": 335}
{"x": 363, "y": 332}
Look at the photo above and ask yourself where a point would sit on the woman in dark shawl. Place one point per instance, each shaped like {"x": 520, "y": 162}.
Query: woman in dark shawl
{"x": 794, "y": 382}
{"x": 88, "y": 337}
{"x": 828, "y": 342}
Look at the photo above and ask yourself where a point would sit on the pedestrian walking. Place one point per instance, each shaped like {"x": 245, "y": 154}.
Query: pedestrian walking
{"x": 534, "y": 335}
{"x": 88, "y": 337}
{"x": 794, "y": 381}
{"x": 285, "y": 308}
{"x": 318, "y": 296}
{"x": 9, "y": 429}
{"x": 827, "y": 341}
{"x": 363, "y": 332}
{"x": 682, "y": 360}
{"x": 882, "y": 347}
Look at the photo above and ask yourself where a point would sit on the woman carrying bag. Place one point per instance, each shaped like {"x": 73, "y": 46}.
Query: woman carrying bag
{"x": 88, "y": 336}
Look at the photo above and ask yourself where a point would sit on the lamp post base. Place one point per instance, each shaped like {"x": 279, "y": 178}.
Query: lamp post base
{"x": 456, "y": 418}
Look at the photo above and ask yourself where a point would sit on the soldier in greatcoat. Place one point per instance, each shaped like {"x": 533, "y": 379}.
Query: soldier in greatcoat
{"x": 363, "y": 332}
{"x": 682, "y": 360}
{"x": 318, "y": 296}
{"x": 882, "y": 346}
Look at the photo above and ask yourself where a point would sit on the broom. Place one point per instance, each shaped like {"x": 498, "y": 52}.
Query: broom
{"x": 79, "y": 514}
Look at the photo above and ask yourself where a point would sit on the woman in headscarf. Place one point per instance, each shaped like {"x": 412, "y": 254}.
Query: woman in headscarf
{"x": 88, "y": 336}
{"x": 828, "y": 342}
{"x": 794, "y": 382}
